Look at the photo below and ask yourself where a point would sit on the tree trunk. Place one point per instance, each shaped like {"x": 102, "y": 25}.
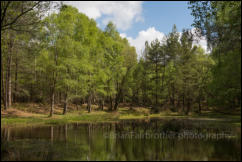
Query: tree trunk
{"x": 188, "y": 106}
{"x": 116, "y": 102}
{"x": 9, "y": 74}
{"x": 77, "y": 107}
{"x": 183, "y": 103}
{"x": 131, "y": 104}
{"x": 54, "y": 75}
{"x": 16, "y": 79}
{"x": 102, "y": 108}
{"x": 199, "y": 106}
{"x": 144, "y": 92}
{"x": 89, "y": 104}
{"x": 101, "y": 103}
{"x": 6, "y": 91}
{"x": 52, "y": 96}
{"x": 173, "y": 96}
{"x": 111, "y": 104}
{"x": 65, "y": 104}
{"x": 2, "y": 86}
{"x": 120, "y": 91}
{"x": 60, "y": 97}
{"x": 178, "y": 103}
{"x": 52, "y": 103}
{"x": 156, "y": 85}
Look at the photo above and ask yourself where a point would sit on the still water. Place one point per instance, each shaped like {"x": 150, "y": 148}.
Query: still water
{"x": 125, "y": 140}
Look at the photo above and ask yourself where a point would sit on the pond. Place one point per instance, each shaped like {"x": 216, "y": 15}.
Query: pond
{"x": 156, "y": 139}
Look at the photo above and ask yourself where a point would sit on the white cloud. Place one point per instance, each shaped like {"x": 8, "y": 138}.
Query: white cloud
{"x": 203, "y": 43}
{"x": 122, "y": 13}
{"x": 151, "y": 34}
{"x": 200, "y": 41}
{"x": 123, "y": 35}
{"x": 145, "y": 35}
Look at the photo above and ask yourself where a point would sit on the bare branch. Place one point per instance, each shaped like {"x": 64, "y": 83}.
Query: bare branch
{"x": 20, "y": 15}
{"x": 4, "y": 12}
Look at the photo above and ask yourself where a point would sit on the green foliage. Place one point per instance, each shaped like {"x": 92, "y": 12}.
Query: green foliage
{"x": 70, "y": 59}
{"x": 173, "y": 73}
{"x": 86, "y": 61}
{"x": 220, "y": 22}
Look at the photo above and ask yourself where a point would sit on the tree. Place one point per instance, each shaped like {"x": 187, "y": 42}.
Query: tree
{"x": 154, "y": 58}
{"x": 17, "y": 17}
{"x": 172, "y": 51}
{"x": 220, "y": 22}
{"x": 22, "y": 16}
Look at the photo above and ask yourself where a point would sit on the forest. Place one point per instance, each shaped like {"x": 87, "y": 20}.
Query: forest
{"x": 64, "y": 58}
{"x": 72, "y": 90}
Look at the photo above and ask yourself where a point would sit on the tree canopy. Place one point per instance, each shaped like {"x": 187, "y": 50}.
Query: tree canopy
{"x": 70, "y": 60}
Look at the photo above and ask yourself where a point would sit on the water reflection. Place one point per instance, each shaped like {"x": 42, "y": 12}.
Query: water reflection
{"x": 97, "y": 141}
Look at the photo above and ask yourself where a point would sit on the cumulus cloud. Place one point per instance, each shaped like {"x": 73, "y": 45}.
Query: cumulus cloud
{"x": 121, "y": 13}
{"x": 203, "y": 43}
{"x": 145, "y": 35}
{"x": 200, "y": 40}
{"x": 151, "y": 34}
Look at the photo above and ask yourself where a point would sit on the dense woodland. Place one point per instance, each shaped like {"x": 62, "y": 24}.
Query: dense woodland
{"x": 65, "y": 58}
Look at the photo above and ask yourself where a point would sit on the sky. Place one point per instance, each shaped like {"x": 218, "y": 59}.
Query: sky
{"x": 139, "y": 21}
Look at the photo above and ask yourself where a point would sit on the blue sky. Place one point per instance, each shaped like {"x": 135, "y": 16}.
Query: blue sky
{"x": 139, "y": 21}
{"x": 162, "y": 16}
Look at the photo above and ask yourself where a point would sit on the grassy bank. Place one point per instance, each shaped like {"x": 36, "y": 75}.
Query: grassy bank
{"x": 22, "y": 115}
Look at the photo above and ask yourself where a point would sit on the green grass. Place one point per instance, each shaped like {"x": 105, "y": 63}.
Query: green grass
{"x": 60, "y": 119}
{"x": 83, "y": 116}
{"x": 20, "y": 120}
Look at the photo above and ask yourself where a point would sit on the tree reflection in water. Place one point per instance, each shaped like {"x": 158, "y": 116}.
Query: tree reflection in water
{"x": 97, "y": 141}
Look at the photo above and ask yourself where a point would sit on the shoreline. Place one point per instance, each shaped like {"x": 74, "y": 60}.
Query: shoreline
{"x": 107, "y": 118}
